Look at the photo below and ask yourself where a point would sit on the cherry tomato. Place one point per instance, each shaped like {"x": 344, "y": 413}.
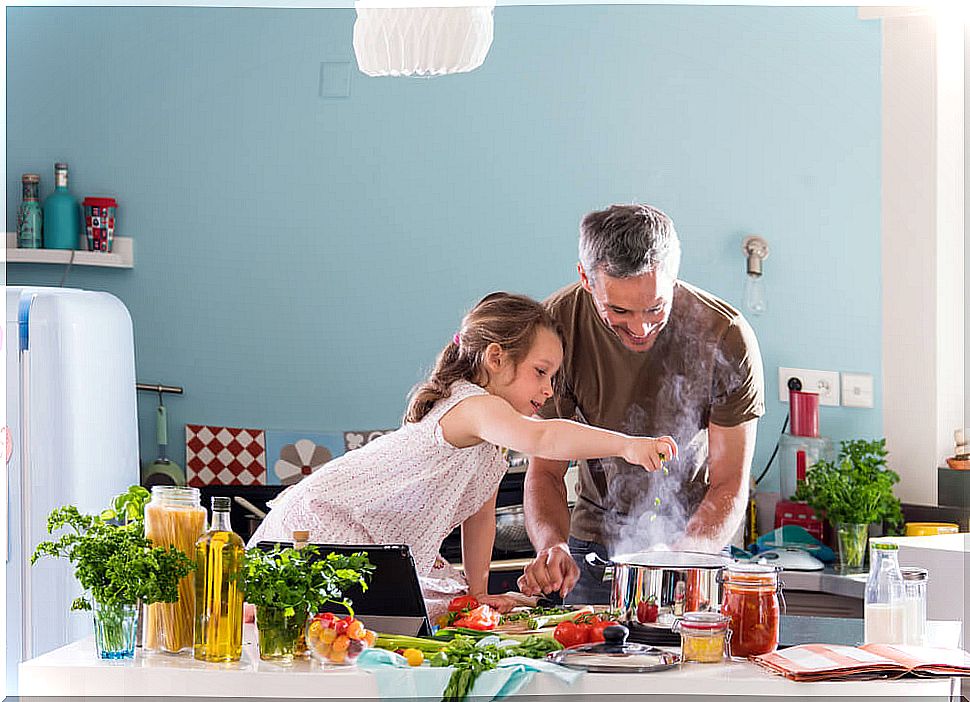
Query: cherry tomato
{"x": 647, "y": 612}
{"x": 356, "y": 630}
{"x": 413, "y": 656}
{"x": 327, "y": 619}
{"x": 342, "y": 626}
{"x": 461, "y": 603}
{"x": 570, "y": 634}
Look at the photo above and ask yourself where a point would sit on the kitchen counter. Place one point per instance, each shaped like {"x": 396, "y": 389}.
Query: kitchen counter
{"x": 74, "y": 670}
{"x": 827, "y": 581}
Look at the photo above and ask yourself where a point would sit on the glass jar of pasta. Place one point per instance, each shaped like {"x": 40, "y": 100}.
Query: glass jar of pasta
{"x": 753, "y": 601}
{"x": 174, "y": 517}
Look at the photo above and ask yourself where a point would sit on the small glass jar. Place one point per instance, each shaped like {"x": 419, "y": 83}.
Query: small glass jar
{"x": 914, "y": 606}
{"x": 753, "y": 602}
{"x": 174, "y": 517}
{"x": 704, "y": 637}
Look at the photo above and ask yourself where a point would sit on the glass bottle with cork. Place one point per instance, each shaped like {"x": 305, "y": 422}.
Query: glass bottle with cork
{"x": 62, "y": 214}
{"x": 218, "y": 589}
{"x": 30, "y": 216}
{"x": 884, "y": 611}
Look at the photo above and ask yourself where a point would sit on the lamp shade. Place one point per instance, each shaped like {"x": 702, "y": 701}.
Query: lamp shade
{"x": 394, "y": 39}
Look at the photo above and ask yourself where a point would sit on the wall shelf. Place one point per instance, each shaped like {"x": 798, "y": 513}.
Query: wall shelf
{"x": 122, "y": 254}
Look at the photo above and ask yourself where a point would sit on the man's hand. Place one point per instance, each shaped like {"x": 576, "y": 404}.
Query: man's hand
{"x": 552, "y": 570}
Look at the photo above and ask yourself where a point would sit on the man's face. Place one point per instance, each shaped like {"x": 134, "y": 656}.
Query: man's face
{"x": 636, "y": 309}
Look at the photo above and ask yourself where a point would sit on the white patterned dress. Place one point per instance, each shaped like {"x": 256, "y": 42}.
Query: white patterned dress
{"x": 407, "y": 487}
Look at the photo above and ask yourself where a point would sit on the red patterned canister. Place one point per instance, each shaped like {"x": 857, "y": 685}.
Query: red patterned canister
{"x": 99, "y": 222}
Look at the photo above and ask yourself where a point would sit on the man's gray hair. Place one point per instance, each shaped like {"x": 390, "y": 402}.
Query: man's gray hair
{"x": 623, "y": 241}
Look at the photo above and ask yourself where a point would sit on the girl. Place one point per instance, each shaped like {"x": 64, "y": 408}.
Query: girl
{"x": 443, "y": 466}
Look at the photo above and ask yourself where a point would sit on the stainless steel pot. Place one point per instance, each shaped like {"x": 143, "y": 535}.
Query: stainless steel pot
{"x": 510, "y": 533}
{"x": 674, "y": 581}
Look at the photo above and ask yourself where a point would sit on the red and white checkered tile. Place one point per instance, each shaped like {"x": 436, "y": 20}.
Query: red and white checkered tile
{"x": 224, "y": 455}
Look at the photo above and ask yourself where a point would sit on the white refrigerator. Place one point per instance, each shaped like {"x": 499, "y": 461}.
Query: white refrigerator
{"x": 72, "y": 418}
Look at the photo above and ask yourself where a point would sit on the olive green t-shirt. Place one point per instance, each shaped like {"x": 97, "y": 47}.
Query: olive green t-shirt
{"x": 704, "y": 368}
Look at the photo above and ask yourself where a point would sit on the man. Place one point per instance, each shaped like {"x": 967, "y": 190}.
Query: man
{"x": 645, "y": 354}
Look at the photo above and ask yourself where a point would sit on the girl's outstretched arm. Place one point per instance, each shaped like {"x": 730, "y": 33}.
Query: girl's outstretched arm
{"x": 492, "y": 419}
{"x": 477, "y": 538}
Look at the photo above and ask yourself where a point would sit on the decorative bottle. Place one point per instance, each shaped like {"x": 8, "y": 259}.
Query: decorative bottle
{"x": 62, "y": 215}
{"x": 30, "y": 216}
{"x": 218, "y": 589}
{"x": 885, "y": 609}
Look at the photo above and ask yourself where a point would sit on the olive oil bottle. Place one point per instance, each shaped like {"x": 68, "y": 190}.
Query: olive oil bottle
{"x": 218, "y": 589}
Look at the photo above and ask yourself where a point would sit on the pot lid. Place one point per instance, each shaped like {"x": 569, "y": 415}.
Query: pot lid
{"x": 673, "y": 559}
{"x": 615, "y": 655}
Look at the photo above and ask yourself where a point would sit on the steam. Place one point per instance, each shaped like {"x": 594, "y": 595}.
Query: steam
{"x": 650, "y": 511}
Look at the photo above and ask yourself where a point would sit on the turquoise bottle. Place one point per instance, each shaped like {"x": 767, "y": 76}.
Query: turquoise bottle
{"x": 62, "y": 215}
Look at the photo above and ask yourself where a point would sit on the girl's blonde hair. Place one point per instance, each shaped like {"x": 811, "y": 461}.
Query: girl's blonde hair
{"x": 509, "y": 320}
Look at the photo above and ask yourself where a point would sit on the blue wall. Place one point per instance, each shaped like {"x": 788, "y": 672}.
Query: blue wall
{"x": 300, "y": 260}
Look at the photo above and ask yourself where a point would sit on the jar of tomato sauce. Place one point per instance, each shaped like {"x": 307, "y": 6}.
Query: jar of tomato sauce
{"x": 752, "y": 599}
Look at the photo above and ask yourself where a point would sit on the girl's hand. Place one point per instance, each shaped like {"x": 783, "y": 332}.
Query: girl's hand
{"x": 649, "y": 452}
{"x": 501, "y": 603}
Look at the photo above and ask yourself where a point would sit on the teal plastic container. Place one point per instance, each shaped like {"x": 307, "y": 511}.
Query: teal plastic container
{"x": 62, "y": 214}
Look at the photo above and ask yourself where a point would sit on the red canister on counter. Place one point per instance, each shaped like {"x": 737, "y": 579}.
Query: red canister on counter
{"x": 752, "y": 600}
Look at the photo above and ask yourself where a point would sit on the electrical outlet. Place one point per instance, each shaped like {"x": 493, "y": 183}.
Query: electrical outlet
{"x": 825, "y": 383}
{"x": 857, "y": 390}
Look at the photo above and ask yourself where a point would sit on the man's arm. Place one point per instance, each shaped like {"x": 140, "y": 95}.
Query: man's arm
{"x": 730, "y": 451}
{"x": 547, "y": 521}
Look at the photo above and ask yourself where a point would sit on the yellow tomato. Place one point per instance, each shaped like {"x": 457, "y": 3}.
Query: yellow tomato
{"x": 413, "y": 656}
{"x": 341, "y": 643}
{"x": 328, "y": 635}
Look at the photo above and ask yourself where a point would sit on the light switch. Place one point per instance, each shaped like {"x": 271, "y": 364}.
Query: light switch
{"x": 857, "y": 390}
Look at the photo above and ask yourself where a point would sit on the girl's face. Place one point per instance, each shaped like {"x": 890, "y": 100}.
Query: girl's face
{"x": 527, "y": 385}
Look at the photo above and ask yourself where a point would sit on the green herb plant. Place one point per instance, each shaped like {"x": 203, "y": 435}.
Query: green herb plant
{"x": 857, "y": 488}
{"x": 294, "y": 580}
{"x": 114, "y": 563}
{"x": 129, "y": 506}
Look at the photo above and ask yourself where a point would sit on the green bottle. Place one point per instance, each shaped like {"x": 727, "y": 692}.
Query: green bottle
{"x": 30, "y": 217}
{"x": 62, "y": 215}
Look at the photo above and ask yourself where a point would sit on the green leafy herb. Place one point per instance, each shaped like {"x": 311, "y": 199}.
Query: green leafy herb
{"x": 115, "y": 563}
{"x": 298, "y": 580}
{"x": 129, "y": 506}
{"x": 857, "y": 488}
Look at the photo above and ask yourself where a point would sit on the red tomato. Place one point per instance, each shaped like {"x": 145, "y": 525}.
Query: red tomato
{"x": 461, "y": 603}
{"x": 341, "y": 626}
{"x": 327, "y": 619}
{"x": 647, "y": 612}
{"x": 570, "y": 634}
{"x": 596, "y": 630}
{"x": 482, "y": 618}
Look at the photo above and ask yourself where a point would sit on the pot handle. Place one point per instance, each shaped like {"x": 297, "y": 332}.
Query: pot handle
{"x": 594, "y": 559}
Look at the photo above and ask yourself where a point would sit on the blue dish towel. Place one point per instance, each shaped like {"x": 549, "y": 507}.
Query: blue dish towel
{"x": 396, "y": 679}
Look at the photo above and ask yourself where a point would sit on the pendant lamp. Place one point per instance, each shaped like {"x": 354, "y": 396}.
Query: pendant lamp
{"x": 404, "y": 38}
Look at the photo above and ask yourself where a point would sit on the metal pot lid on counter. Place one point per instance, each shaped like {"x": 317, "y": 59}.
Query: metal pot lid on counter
{"x": 615, "y": 655}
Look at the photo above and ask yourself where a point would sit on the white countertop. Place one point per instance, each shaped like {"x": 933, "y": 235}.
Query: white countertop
{"x": 74, "y": 670}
